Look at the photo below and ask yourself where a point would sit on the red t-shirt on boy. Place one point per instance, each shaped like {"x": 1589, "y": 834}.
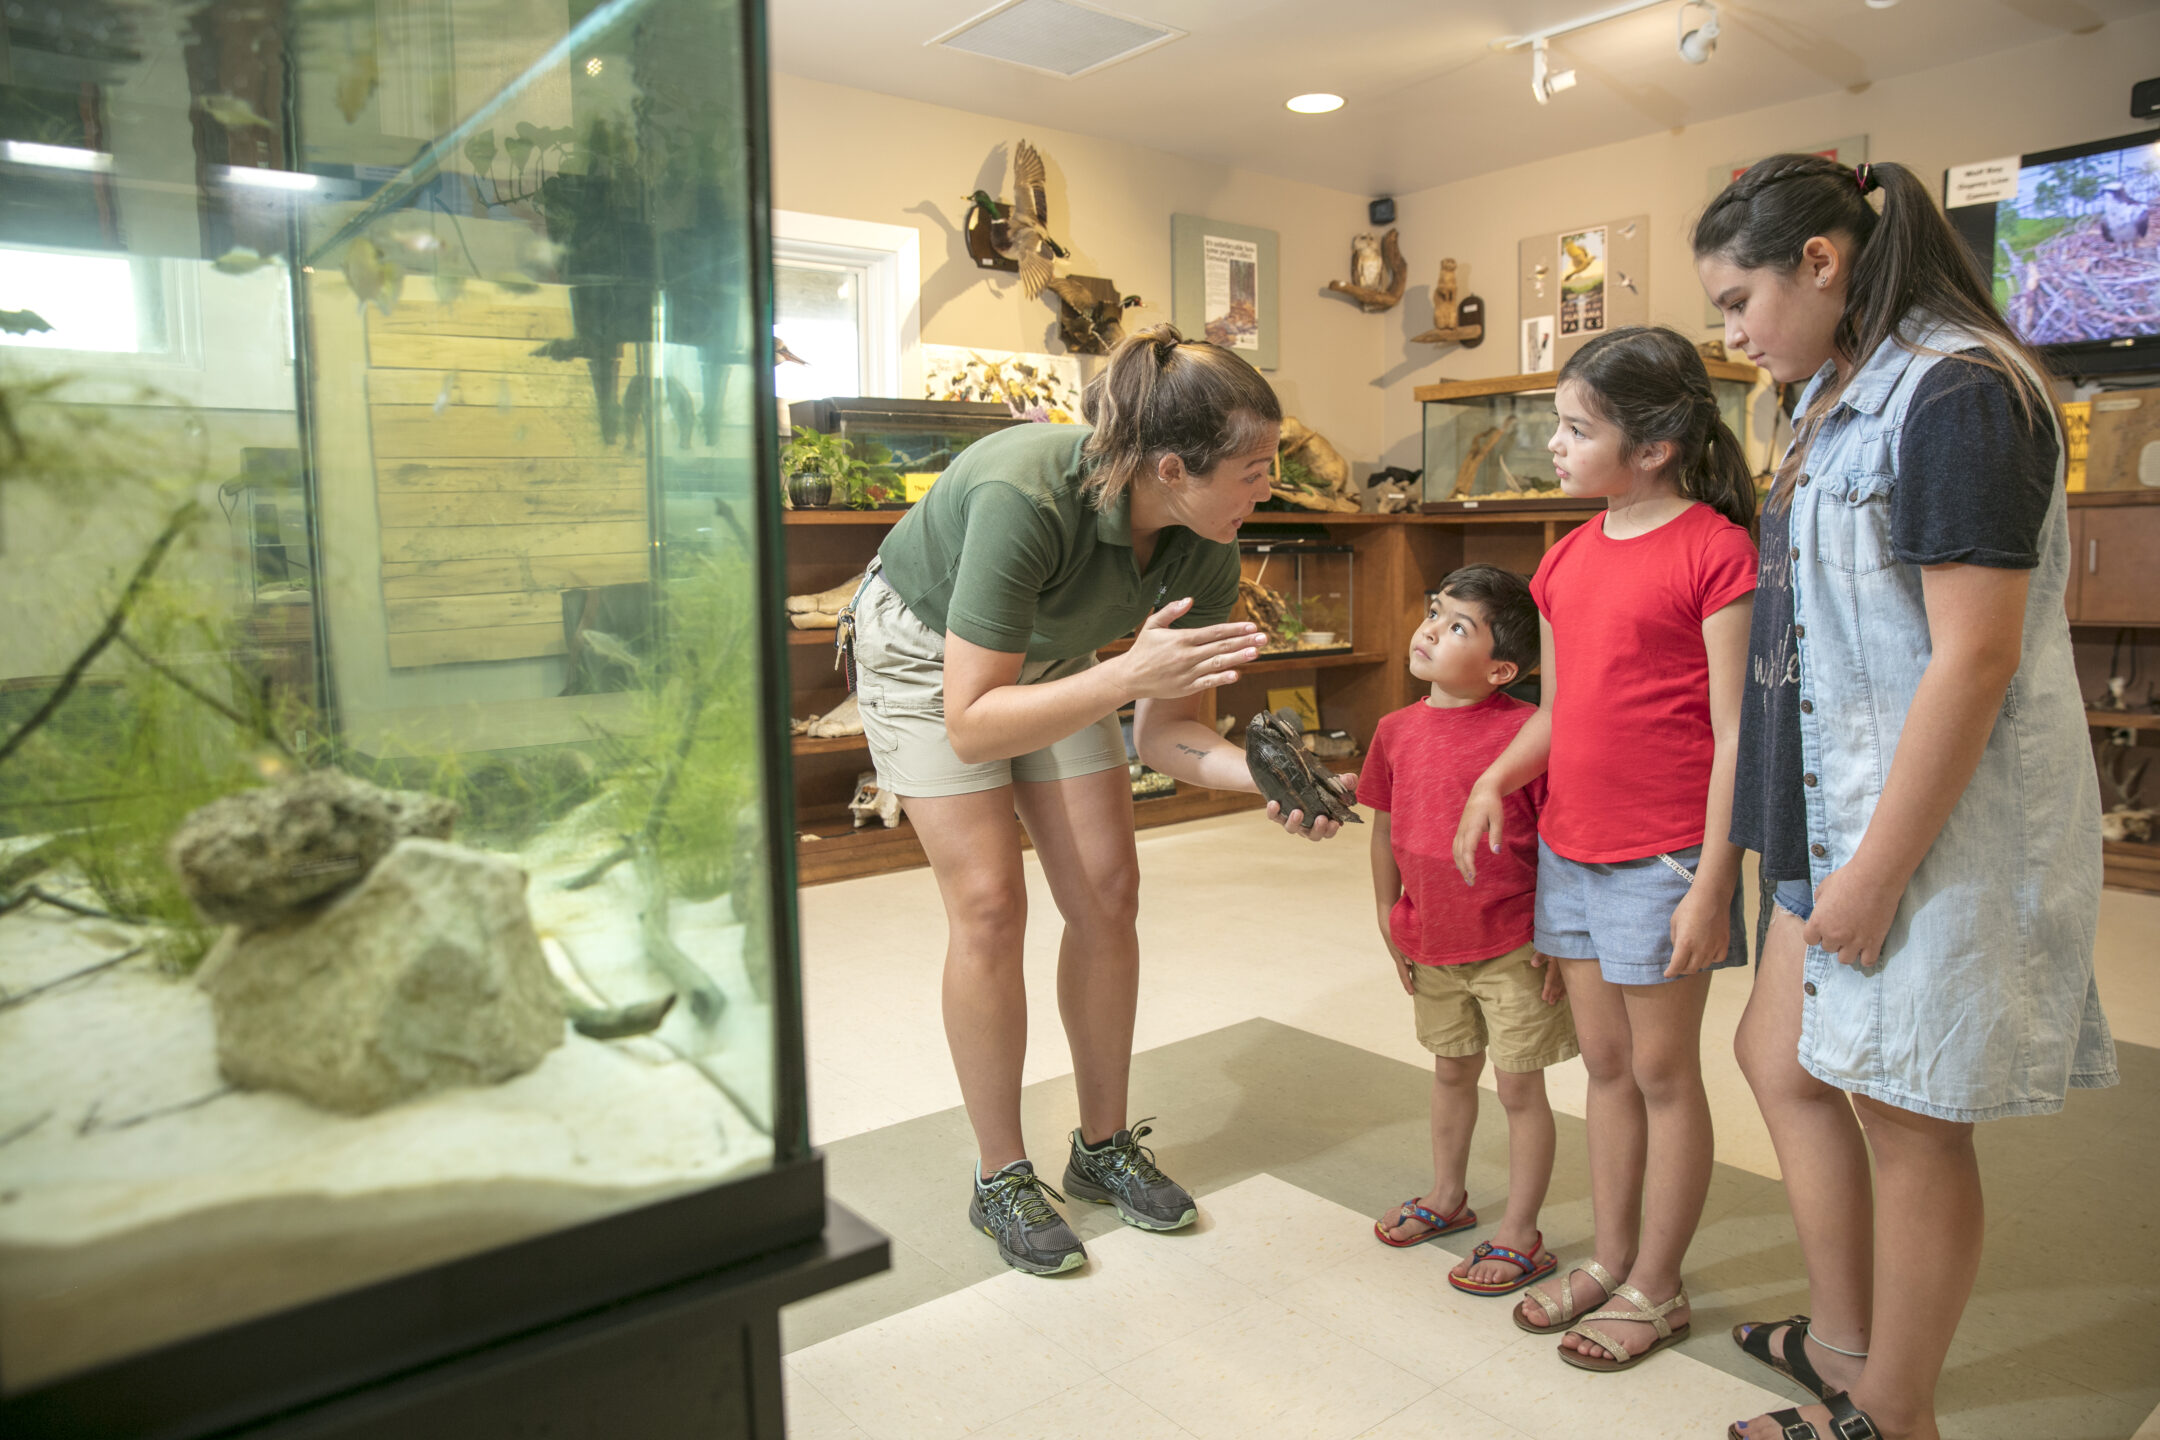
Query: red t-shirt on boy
{"x": 1420, "y": 767}
{"x": 1631, "y": 738}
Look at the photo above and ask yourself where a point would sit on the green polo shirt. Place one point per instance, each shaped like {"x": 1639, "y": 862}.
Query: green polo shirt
{"x": 1006, "y": 553}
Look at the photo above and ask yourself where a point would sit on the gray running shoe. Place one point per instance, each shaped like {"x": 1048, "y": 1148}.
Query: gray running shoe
{"x": 1121, "y": 1172}
{"x": 1011, "y": 1209}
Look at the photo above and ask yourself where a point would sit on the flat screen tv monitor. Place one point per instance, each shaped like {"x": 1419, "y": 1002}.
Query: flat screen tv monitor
{"x": 2075, "y": 253}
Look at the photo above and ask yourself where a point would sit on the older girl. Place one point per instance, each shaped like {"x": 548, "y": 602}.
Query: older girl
{"x": 986, "y": 710}
{"x": 1913, "y": 771}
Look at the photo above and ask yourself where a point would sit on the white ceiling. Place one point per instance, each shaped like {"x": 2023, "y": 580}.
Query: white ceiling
{"x": 1429, "y": 101}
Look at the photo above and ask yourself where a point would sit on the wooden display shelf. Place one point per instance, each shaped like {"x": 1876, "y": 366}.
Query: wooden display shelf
{"x": 810, "y": 637}
{"x": 827, "y": 744}
{"x": 2130, "y": 865}
{"x": 840, "y": 517}
{"x": 1536, "y": 380}
{"x": 2122, "y": 719}
{"x": 841, "y": 852}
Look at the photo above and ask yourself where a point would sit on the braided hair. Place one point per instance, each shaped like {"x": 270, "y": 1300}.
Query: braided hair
{"x": 1650, "y": 383}
{"x": 1906, "y": 261}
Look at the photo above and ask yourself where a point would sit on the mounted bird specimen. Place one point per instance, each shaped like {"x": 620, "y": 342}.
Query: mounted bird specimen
{"x": 1368, "y": 259}
{"x": 1091, "y": 312}
{"x": 1016, "y": 236}
{"x": 1447, "y": 311}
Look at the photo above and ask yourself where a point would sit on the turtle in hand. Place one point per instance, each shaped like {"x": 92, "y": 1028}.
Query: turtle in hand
{"x": 1288, "y": 774}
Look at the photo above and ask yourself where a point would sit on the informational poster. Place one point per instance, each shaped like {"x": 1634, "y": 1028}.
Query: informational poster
{"x": 1537, "y": 344}
{"x": 1582, "y": 281}
{"x": 1232, "y": 313}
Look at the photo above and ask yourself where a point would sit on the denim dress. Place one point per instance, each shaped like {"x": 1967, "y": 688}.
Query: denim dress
{"x": 1983, "y": 1002}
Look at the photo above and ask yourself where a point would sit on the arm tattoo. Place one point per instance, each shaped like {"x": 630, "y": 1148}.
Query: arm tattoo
{"x": 1192, "y": 750}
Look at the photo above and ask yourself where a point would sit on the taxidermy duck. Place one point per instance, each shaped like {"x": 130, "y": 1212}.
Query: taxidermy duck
{"x": 1579, "y": 259}
{"x": 1030, "y": 220}
{"x": 1091, "y": 312}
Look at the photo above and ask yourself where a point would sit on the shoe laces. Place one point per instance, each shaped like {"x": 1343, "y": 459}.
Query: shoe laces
{"x": 1132, "y": 1157}
{"x": 1020, "y": 1194}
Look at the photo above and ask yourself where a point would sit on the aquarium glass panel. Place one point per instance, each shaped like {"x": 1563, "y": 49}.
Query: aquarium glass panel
{"x": 387, "y": 797}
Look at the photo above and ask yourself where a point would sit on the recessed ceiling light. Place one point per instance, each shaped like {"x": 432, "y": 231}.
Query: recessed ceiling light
{"x": 1880, "y": 4}
{"x": 1317, "y": 104}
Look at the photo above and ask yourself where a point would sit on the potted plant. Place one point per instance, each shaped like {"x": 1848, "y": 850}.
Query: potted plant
{"x": 814, "y": 466}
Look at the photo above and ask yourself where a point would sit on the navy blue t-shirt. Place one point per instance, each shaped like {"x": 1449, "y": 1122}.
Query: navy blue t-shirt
{"x": 1975, "y": 477}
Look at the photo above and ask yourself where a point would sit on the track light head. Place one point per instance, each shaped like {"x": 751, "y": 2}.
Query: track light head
{"x": 1697, "y": 45}
{"x": 1546, "y": 82}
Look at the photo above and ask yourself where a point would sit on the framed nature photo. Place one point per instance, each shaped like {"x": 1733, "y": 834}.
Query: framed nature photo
{"x": 1224, "y": 283}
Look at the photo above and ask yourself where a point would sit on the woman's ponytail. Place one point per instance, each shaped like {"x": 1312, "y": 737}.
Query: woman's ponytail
{"x": 1652, "y": 385}
{"x": 1162, "y": 394}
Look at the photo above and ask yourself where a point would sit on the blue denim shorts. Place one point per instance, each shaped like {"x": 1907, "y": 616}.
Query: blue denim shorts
{"x": 1795, "y": 897}
{"x": 1620, "y": 915}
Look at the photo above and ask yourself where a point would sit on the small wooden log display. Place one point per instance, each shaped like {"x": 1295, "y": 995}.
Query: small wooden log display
{"x": 1366, "y": 264}
{"x": 1447, "y": 320}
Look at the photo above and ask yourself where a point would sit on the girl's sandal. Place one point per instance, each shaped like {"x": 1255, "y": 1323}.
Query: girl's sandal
{"x": 1462, "y": 1218}
{"x": 1847, "y": 1422}
{"x": 1563, "y": 1310}
{"x": 1790, "y": 1359}
{"x": 1644, "y": 1313}
{"x": 1532, "y": 1268}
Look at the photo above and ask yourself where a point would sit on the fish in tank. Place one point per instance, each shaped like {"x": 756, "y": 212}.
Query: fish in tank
{"x": 386, "y": 865}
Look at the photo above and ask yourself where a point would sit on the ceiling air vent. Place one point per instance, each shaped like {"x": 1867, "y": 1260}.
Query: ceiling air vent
{"x": 1056, "y": 37}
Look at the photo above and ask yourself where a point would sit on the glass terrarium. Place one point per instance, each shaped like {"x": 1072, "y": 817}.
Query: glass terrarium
{"x": 1298, "y": 592}
{"x": 906, "y": 443}
{"x": 1485, "y": 439}
{"x": 395, "y": 854}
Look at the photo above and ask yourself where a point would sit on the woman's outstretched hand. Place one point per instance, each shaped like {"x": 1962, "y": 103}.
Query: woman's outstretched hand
{"x": 1323, "y": 827}
{"x": 1167, "y": 664}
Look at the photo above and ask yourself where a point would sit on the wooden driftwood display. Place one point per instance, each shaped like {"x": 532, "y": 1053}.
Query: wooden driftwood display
{"x": 1366, "y": 263}
{"x": 1481, "y": 447}
{"x": 1446, "y": 312}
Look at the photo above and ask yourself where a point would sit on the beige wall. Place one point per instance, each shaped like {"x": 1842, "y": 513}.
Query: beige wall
{"x": 2062, "y": 92}
{"x": 864, "y": 156}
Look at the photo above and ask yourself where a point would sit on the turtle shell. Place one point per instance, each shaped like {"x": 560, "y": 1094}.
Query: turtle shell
{"x": 1288, "y": 774}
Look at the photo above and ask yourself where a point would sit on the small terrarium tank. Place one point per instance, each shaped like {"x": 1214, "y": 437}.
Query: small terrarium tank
{"x": 387, "y": 806}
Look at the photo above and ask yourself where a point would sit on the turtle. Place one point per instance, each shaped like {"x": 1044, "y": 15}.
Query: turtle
{"x": 1291, "y": 777}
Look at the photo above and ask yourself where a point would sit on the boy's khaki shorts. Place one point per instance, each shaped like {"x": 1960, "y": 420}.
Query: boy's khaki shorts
{"x": 1492, "y": 1005}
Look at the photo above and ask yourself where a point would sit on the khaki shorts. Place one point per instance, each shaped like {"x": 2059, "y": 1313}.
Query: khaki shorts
{"x": 900, "y": 686}
{"x": 1492, "y": 1004}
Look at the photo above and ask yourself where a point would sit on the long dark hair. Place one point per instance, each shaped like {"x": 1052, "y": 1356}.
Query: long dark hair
{"x": 1651, "y": 384}
{"x": 1161, "y": 395}
{"x": 1905, "y": 261}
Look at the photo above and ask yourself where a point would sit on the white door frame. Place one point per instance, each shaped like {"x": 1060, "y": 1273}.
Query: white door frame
{"x": 891, "y": 257}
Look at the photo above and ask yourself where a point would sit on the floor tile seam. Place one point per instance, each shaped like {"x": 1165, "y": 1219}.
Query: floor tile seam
{"x": 1258, "y": 1299}
{"x": 1353, "y": 1340}
{"x": 793, "y": 1374}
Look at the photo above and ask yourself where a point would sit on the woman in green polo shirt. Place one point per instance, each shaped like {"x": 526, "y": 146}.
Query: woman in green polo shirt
{"x": 986, "y": 710}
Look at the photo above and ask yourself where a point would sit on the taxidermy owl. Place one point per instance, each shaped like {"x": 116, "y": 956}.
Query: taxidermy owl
{"x": 1366, "y": 270}
{"x": 2124, "y": 219}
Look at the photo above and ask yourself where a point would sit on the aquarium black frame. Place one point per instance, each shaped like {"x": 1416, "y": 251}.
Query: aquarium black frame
{"x": 385, "y": 1333}
{"x": 1975, "y": 225}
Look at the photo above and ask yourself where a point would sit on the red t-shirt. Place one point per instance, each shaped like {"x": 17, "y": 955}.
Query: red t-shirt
{"x": 1420, "y": 767}
{"x": 1631, "y": 739}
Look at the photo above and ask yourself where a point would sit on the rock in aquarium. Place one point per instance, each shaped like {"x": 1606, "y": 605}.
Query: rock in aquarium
{"x": 254, "y": 858}
{"x": 426, "y": 975}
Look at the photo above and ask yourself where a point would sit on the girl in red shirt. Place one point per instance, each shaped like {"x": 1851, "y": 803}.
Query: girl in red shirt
{"x": 1644, "y": 613}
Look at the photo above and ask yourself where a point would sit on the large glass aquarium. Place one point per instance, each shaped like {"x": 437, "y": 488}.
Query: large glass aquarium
{"x": 393, "y": 832}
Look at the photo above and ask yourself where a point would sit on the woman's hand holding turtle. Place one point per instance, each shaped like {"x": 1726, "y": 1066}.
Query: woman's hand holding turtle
{"x": 1323, "y": 827}
{"x": 1167, "y": 664}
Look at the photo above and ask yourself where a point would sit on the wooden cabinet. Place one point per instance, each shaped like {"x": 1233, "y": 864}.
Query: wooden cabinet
{"x": 2115, "y": 559}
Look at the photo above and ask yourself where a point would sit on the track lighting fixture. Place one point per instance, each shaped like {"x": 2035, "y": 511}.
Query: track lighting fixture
{"x": 1546, "y": 82}
{"x": 1696, "y": 45}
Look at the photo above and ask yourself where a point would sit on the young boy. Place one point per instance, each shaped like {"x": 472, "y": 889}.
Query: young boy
{"x": 1462, "y": 953}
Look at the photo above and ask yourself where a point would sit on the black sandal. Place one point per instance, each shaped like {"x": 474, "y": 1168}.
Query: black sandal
{"x": 1753, "y": 1338}
{"x": 1847, "y": 1422}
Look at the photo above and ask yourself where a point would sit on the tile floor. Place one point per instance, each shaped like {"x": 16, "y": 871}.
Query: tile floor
{"x": 1277, "y": 1048}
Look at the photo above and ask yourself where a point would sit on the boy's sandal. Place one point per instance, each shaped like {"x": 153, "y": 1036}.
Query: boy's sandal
{"x": 1847, "y": 1422}
{"x": 1462, "y": 1218}
{"x": 1644, "y": 1313}
{"x": 1532, "y": 1268}
{"x": 1790, "y": 1359}
{"x": 1563, "y": 1310}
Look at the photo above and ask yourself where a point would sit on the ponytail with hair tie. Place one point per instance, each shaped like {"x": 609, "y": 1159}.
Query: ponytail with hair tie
{"x": 1162, "y": 394}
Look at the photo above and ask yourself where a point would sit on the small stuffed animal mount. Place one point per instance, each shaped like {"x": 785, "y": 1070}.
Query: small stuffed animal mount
{"x": 1455, "y": 322}
{"x": 1710, "y": 349}
{"x": 1090, "y": 312}
{"x": 1377, "y": 273}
